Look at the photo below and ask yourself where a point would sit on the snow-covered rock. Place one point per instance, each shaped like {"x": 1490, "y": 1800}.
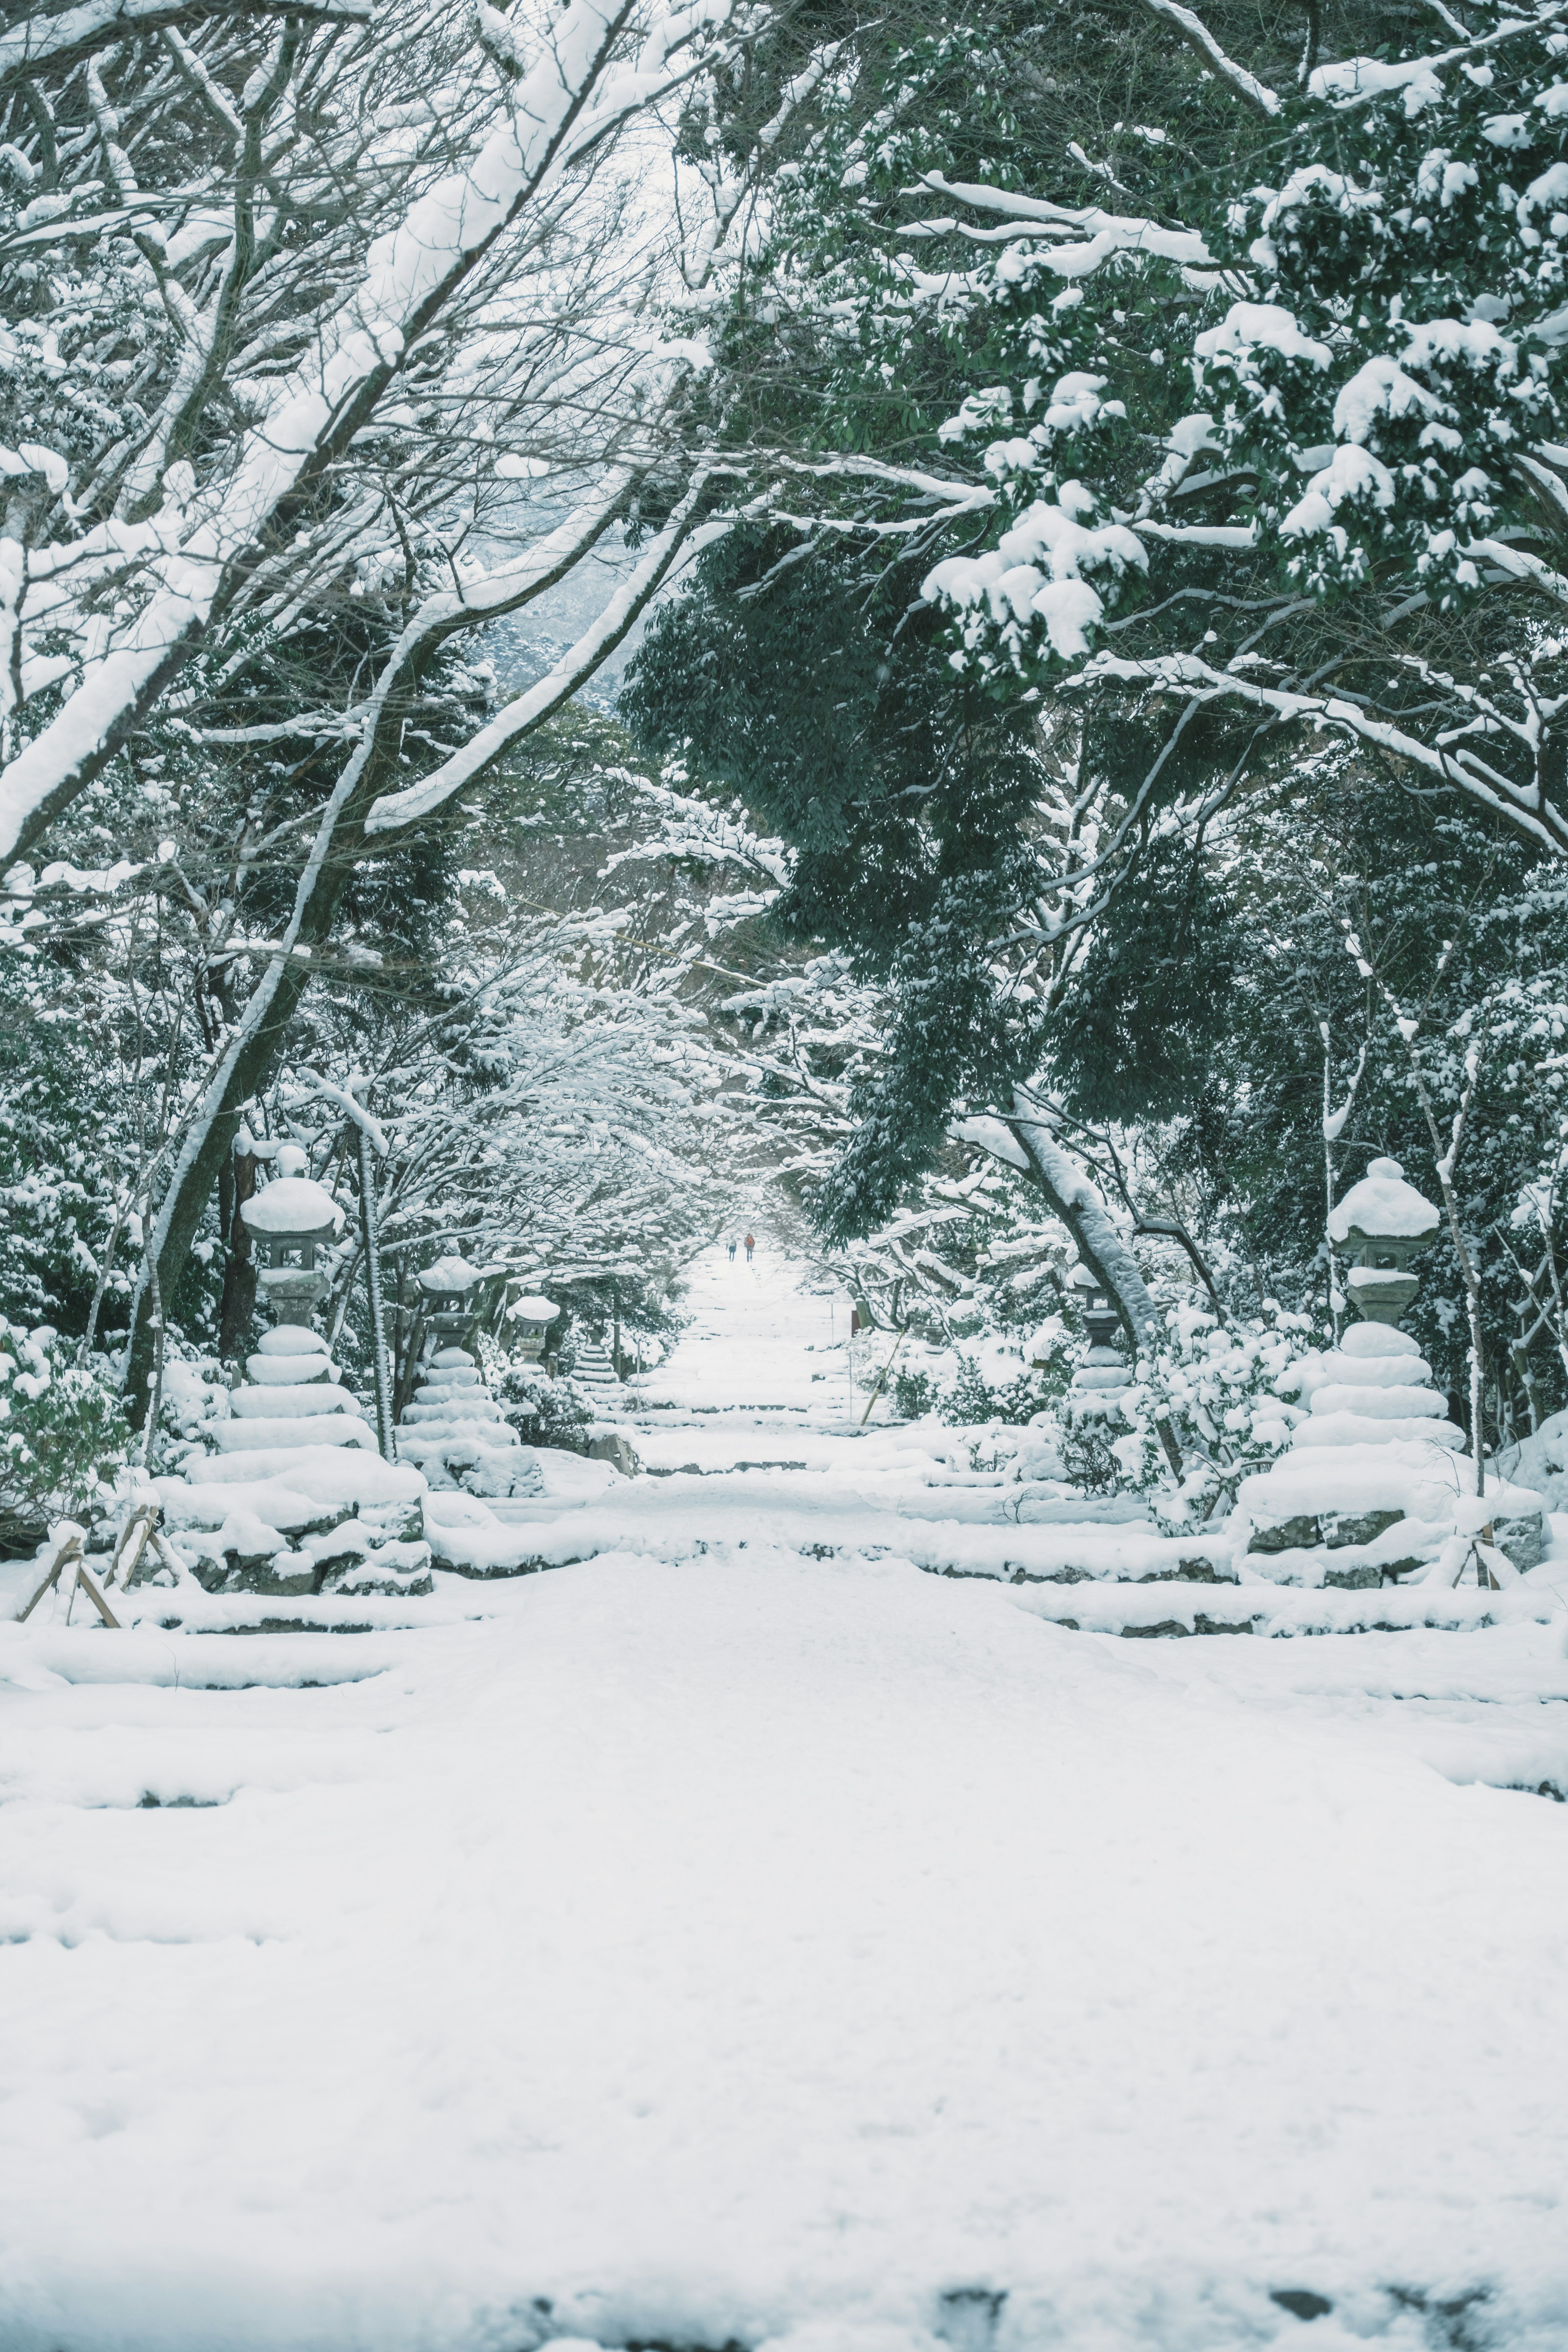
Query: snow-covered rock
{"x": 1542, "y": 1461}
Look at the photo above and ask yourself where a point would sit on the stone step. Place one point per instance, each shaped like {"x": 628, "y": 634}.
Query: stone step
{"x": 462, "y": 1427}
{"x": 1174, "y": 1611}
{"x": 432, "y": 1410}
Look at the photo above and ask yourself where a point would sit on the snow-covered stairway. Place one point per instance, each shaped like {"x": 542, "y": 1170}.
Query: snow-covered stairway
{"x": 595, "y": 1375}
{"x": 455, "y": 1432}
{"x": 800, "y": 1473}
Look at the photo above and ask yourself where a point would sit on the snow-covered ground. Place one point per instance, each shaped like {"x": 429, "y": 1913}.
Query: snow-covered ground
{"x": 740, "y": 1936}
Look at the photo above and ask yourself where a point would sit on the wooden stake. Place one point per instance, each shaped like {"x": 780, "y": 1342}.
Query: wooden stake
{"x": 68, "y": 1555}
{"x": 69, "y": 1549}
{"x": 132, "y": 1542}
{"x": 165, "y": 1552}
{"x": 97, "y": 1599}
{"x": 883, "y": 1376}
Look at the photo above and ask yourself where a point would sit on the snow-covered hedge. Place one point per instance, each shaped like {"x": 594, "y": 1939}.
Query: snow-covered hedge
{"x": 1218, "y": 1387}
{"x": 543, "y": 1410}
{"x": 62, "y": 1433}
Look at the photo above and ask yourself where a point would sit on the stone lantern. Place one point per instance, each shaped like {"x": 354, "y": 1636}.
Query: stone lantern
{"x": 530, "y": 1318}
{"x": 290, "y": 1220}
{"x": 1101, "y": 1376}
{"x": 1380, "y": 1224}
{"x": 454, "y": 1295}
{"x": 1100, "y": 1319}
{"x": 1375, "y": 1484}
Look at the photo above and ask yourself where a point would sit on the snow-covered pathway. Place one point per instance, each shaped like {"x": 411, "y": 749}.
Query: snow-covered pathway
{"x": 729, "y": 1946}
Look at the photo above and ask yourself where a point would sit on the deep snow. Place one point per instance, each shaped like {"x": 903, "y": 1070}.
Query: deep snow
{"x": 734, "y": 1945}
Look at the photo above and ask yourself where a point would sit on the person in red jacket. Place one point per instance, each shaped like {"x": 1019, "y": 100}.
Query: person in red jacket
{"x": 751, "y": 1245}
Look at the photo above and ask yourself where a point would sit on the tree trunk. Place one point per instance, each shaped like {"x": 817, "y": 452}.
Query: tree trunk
{"x": 1077, "y": 1201}
{"x": 246, "y": 1070}
{"x": 236, "y": 1183}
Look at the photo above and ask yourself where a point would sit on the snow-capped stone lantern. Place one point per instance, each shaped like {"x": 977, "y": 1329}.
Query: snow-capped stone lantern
{"x": 1099, "y": 1311}
{"x": 290, "y": 1220}
{"x": 295, "y": 1499}
{"x": 452, "y": 1427}
{"x": 1096, "y": 1384}
{"x": 1380, "y": 1224}
{"x": 452, "y": 1299}
{"x": 528, "y": 1320}
{"x": 449, "y": 1304}
{"x": 1375, "y": 1480}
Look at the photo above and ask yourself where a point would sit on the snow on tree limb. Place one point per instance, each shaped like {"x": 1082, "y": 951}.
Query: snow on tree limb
{"x": 1022, "y": 1140}
{"x": 1102, "y": 233}
{"x": 530, "y": 709}
{"x": 1193, "y": 30}
{"x": 342, "y": 1098}
{"x": 1079, "y": 1202}
{"x": 1526, "y": 807}
{"x": 993, "y": 1136}
{"x": 1353, "y": 82}
{"x": 196, "y": 551}
{"x": 56, "y": 43}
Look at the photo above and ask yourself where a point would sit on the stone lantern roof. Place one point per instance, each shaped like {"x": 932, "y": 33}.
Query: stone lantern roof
{"x": 1382, "y": 1222}
{"x": 293, "y": 1204}
{"x": 1384, "y": 1207}
{"x": 449, "y": 1275}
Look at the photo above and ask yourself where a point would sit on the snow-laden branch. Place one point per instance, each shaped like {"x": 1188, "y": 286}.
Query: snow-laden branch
{"x": 1097, "y": 233}
{"x": 56, "y": 43}
{"x": 1450, "y": 760}
{"x": 530, "y": 709}
{"x": 342, "y": 1098}
{"x": 1193, "y": 30}
{"x": 954, "y": 497}
{"x": 1081, "y": 1204}
{"x": 194, "y": 549}
{"x": 1353, "y": 82}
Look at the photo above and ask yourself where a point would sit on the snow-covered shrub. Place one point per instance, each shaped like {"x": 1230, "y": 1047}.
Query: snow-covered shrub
{"x": 1025, "y": 1388}
{"x": 1219, "y": 1390}
{"x": 196, "y": 1398}
{"x": 970, "y": 1399}
{"x": 543, "y": 1410}
{"x": 62, "y": 1434}
{"x": 914, "y": 1393}
{"x": 1086, "y": 1449}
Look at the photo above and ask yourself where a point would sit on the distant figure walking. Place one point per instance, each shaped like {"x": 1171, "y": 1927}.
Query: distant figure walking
{"x": 732, "y": 1253}
{"x": 751, "y": 1245}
